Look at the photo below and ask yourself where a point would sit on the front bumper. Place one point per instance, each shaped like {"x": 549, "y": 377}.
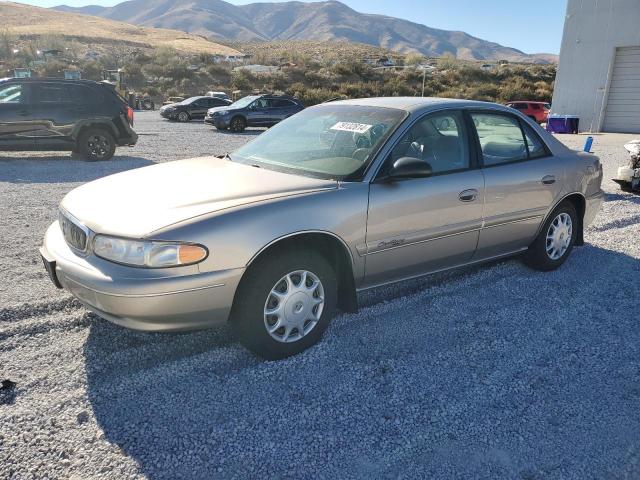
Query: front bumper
{"x": 170, "y": 299}
{"x": 217, "y": 121}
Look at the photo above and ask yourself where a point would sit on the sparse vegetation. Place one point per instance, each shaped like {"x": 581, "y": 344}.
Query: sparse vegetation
{"x": 312, "y": 71}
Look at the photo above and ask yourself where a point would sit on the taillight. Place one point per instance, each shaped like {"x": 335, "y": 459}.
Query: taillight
{"x": 129, "y": 115}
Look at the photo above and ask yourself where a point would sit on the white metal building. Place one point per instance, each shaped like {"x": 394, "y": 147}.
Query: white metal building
{"x": 599, "y": 71}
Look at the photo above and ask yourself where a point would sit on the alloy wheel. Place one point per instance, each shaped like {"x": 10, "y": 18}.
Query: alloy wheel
{"x": 98, "y": 146}
{"x": 559, "y": 236}
{"x": 294, "y": 306}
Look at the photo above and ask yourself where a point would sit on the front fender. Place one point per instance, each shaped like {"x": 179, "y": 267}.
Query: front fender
{"x": 236, "y": 236}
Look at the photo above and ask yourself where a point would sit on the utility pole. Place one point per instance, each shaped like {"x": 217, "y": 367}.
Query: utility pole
{"x": 424, "y": 74}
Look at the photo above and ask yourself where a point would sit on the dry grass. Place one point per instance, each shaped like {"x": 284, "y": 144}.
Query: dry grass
{"x": 293, "y": 49}
{"x": 28, "y": 22}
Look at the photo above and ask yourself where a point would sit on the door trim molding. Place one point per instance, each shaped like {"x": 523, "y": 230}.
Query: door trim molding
{"x": 461, "y": 265}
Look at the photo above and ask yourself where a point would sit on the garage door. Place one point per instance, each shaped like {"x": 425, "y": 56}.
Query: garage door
{"x": 623, "y": 104}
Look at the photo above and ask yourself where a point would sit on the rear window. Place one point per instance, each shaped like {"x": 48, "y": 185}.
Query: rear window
{"x": 280, "y": 102}
{"x": 60, "y": 93}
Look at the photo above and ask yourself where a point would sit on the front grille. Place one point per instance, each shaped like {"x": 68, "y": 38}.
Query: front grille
{"x": 74, "y": 234}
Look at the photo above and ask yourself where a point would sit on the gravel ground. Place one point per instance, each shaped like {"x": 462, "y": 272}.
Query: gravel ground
{"x": 490, "y": 372}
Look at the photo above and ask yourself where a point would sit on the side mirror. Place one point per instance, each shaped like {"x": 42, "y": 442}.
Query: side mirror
{"x": 409, "y": 167}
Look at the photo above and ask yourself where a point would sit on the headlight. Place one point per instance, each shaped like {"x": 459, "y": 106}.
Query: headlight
{"x": 222, "y": 112}
{"x": 149, "y": 254}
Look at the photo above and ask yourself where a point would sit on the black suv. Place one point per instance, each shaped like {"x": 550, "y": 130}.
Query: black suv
{"x": 81, "y": 116}
{"x": 253, "y": 111}
{"x": 192, "y": 108}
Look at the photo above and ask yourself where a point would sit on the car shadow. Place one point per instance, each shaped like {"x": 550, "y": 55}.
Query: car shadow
{"x": 62, "y": 168}
{"x": 390, "y": 391}
{"x": 247, "y": 133}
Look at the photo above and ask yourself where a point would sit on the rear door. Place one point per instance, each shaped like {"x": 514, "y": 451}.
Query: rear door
{"x": 522, "y": 182}
{"x": 16, "y": 116}
{"x": 259, "y": 113}
{"x": 61, "y": 106}
{"x": 281, "y": 108}
{"x": 199, "y": 107}
{"x": 420, "y": 225}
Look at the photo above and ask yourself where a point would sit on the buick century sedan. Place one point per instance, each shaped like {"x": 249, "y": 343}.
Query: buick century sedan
{"x": 341, "y": 197}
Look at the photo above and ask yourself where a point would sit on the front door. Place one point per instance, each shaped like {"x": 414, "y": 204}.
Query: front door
{"x": 421, "y": 225}
{"x": 522, "y": 182}
{"x": 259, "y": 113}
{"x": 16, "y": 117}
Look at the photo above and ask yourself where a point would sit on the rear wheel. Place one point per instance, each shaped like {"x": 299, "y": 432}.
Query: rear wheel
{"x": 238, "y": 124}
{"x": 555, "y": 241}
{"x": 285, "y": 303}
{"x": 95, "y": 144}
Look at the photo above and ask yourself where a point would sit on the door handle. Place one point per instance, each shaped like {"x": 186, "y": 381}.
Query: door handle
{"x": 468, "y": 195}
{"x": 549, "y": 179}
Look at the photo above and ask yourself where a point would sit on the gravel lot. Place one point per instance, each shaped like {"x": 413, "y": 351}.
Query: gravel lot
{"x": 490, "y": 372}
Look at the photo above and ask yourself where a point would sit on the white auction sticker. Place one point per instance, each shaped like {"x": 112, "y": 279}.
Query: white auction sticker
{"x": 351, "y": 127}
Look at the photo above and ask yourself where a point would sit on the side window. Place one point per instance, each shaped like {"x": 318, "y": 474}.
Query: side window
{"x": 83, "y": 95}
{"x": 262, "y": 103}
{"x": 535, "y": 106}
{"x": 439, "y": 139}
{"x": 500, "y": 138}
{"x": 520, "y": 106}
{"x": 12, "y": 93}
{"x": 281, "y": 103}
{"x": 534, "y": 144}
{"x": 55, "y": 93}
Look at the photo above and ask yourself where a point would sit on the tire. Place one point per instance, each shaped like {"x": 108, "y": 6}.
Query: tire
{"x": 96, "y": 144}
{"x": 548, "y": 254}
{"x": 238, "y": 124}
{"x": 302, "y": 309}
{"x": 183, "y": 117}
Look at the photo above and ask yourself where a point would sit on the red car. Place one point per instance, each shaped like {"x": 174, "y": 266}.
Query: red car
{"x": 537, "y": 111}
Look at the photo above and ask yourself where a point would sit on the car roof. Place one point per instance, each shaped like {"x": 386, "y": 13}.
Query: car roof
{"x": 527, "y": 101}
{"x": 416, "y": 104}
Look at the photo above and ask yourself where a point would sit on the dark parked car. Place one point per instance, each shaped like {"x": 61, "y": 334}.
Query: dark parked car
{"x": 81, "y": 116}
{"x": 192, "y": 108}
{"x": 253, "y": 111}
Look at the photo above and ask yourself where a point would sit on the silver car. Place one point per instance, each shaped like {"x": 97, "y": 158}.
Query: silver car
{"x": 341, "y": 197}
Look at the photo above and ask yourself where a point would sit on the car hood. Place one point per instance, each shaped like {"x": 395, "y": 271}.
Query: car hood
{"x": 138, "y": 202}
{"x": 220, "y": 109}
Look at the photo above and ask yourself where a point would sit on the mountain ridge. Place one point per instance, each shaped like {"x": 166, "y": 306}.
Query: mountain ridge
{"x": 294, "y": 20}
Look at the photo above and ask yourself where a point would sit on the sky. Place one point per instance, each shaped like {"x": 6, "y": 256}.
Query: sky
{"x": 533, "y": 26}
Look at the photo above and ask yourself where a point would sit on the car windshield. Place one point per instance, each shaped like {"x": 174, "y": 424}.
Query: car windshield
{"x": 326, "y": 141}
{"x": 547, "y": 106}
{"x": 244, "y": 101}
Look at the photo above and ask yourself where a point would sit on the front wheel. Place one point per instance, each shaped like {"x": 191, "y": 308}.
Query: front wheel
{"x": 238, "y": 124}
{"x": 285, "y": 303}
{"x": 183, "y": 117}
{"x": 555, "y": 241}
